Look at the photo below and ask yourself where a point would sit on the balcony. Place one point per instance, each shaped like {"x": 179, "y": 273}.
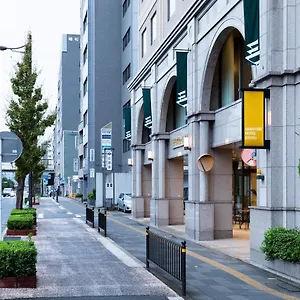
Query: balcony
{"x": 80, "y": 173}
{"x": 80, "y": 149}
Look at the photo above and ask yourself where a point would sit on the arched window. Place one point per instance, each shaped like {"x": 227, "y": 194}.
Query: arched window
{"x": 231, "y": 72}
{"x": 176, "y": 116}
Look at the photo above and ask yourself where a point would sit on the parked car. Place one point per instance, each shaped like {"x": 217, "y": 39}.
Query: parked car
{"x": 13, "y": 193}
{"x": 124, "y": 202}
{"x": 6, "y": 192}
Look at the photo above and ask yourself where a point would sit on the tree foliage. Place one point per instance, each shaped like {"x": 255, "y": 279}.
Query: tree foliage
{"x": 27, "y": 117}
{"x": 7, "y": 183}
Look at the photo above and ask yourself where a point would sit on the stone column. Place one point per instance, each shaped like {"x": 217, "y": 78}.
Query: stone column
{"x": 138, "y": 199}
{"x": 159, "y": 203}
{"x": 162, "y": 169}
{"x": 279, "y": 192}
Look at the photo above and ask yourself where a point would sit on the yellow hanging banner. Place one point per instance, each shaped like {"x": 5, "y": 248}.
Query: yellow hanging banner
{"x": 253, "y": 119}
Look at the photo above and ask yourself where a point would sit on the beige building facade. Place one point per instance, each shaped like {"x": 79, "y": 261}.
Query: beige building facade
{"x": 212, "y": 34}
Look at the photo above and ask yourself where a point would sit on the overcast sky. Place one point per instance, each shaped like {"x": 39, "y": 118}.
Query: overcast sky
{"x": 47, "y": 20}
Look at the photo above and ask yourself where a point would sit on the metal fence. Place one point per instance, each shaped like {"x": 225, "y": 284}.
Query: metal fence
{"x": 102, "y": 220}
{"x": 167, "y": 254}
{"x": 89, "y": 215}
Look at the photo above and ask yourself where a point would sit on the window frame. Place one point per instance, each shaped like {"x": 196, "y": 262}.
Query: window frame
{"x": 153, "y": 28}
{"x": 144, "y": 42}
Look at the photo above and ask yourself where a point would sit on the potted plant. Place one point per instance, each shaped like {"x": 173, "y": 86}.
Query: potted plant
{"x": 79, "y": 197}
{"x": 18, "y": 264}
{"x": 21, "y": 224}
{"x": 92, "y": 198}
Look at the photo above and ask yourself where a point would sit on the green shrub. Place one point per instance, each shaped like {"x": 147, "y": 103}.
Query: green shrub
{"x": 29, "y": 210}
{"x": 282, "y": 243}
{"x": 25, "y": 221}
{"x": 25, "y": 211}
{"x": 79, "y": 196}
{"x": 91, "y": 196}
{"x": 17, "y": 259}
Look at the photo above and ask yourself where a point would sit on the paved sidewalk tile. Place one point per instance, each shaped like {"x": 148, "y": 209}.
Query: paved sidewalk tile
{"x": 73, "y": 261}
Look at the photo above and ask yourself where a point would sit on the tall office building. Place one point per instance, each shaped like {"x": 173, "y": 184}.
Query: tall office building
{"x": 107, "y": 63}
{"x": 65, "y": 140}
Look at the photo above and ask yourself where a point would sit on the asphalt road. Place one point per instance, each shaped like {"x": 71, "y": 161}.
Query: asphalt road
{"x": 8, "y": 203}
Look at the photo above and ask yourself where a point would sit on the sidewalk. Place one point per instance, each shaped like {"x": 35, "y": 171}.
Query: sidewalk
{"x": 74, "y": 260}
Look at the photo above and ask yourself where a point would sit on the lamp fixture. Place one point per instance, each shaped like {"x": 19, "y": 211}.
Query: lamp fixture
{"x": 186, "y": 143}
{"x": 150, "y": 155}
{"x": 129, "y": 161}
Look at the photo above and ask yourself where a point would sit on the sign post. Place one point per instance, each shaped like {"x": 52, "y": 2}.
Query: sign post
{"x": 10, "y": 150}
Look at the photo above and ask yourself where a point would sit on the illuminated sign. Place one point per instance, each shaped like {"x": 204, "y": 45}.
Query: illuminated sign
{"x": 253, "y": 119}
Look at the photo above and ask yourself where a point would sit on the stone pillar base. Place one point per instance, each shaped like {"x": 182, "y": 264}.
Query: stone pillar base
{"x": 176, "y": 211}
{"x": 199, "y": 220}
{"x": 159, "y": 212}
{"x": 138, "y": 210}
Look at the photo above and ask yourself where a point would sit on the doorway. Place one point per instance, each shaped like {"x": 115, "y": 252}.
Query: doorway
{"x": 244, "y": 193}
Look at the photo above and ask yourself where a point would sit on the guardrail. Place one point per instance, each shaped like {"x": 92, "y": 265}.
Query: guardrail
{"x": 167, "y": 254}
{"x": 89, "y": 215}
{"x": 102, "y": 221}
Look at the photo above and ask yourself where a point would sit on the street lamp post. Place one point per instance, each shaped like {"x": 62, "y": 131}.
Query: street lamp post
{"x": 14, "y": 49}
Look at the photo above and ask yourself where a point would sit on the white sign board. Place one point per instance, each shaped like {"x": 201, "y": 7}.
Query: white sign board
{"x": 106, "y": 137}
{"x": 108, "y": 154}
{"x": 92, "y": 173}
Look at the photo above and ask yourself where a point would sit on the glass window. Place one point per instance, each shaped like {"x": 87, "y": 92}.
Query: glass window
{"x": 126, "y": 4}
{"x": 153, "y": 28}
{"x": 85, "y": 22}
{"x": 85, "y": 87}
{"x": 85, "y": 54}
{"x": 144, "y": 42}
{"x": 171, "y": 8}
{"x": 126, "y": 145}
{"x": 126, "y": 39}
{"x": 126, "y": 74}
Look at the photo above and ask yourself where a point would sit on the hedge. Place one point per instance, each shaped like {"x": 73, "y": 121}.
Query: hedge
{"x": 17, "y": 259}
{"x": 25, "y": 211}
{"x": 25, "y": 221}
{"x": 282, "y": 243}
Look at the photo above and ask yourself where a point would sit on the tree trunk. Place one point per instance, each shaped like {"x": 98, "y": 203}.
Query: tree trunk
{"x": 20, "y": 192}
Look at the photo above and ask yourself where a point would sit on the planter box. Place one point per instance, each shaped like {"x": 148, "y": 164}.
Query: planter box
{"x": 18, "y": 282}
{"x": 285, "y": 267}
{"x": 21, "y": 231}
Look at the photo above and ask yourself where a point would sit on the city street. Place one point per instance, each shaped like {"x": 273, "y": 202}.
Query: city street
{"x": 8, "y": 203}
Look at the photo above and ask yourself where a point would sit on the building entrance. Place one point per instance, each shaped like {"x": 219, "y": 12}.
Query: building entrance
{"x": 244, "y": 193}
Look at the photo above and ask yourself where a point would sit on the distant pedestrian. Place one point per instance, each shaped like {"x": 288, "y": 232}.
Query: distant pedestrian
{"x": 57, "y": 193}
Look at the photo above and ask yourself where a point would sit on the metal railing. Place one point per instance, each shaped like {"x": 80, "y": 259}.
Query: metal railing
{"x": 167, "y": 254}
{"x": 102, "y": 220}
{"x": 89, "y": 215}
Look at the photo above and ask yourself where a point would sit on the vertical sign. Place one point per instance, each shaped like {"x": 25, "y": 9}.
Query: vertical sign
{"x": 253, "y": 119}
{"x": 181, "y": 60}
{"x": 251, "y": 20}
{"x": 106, "y": 138}
{"x": 127, "y": 118}
{"x": 147, "y": 107}
{"x": 92, "y": 154}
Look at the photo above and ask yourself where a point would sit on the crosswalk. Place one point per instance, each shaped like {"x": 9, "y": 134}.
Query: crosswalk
{"x": 41, "y": 215}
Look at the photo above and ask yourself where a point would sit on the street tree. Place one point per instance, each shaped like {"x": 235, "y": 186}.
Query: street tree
{"x": 7, "y": 183}
{"x": 27, "y": 117}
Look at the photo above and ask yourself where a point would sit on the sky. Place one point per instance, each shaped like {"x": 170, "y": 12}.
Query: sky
{"x": 47, "y": 21}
